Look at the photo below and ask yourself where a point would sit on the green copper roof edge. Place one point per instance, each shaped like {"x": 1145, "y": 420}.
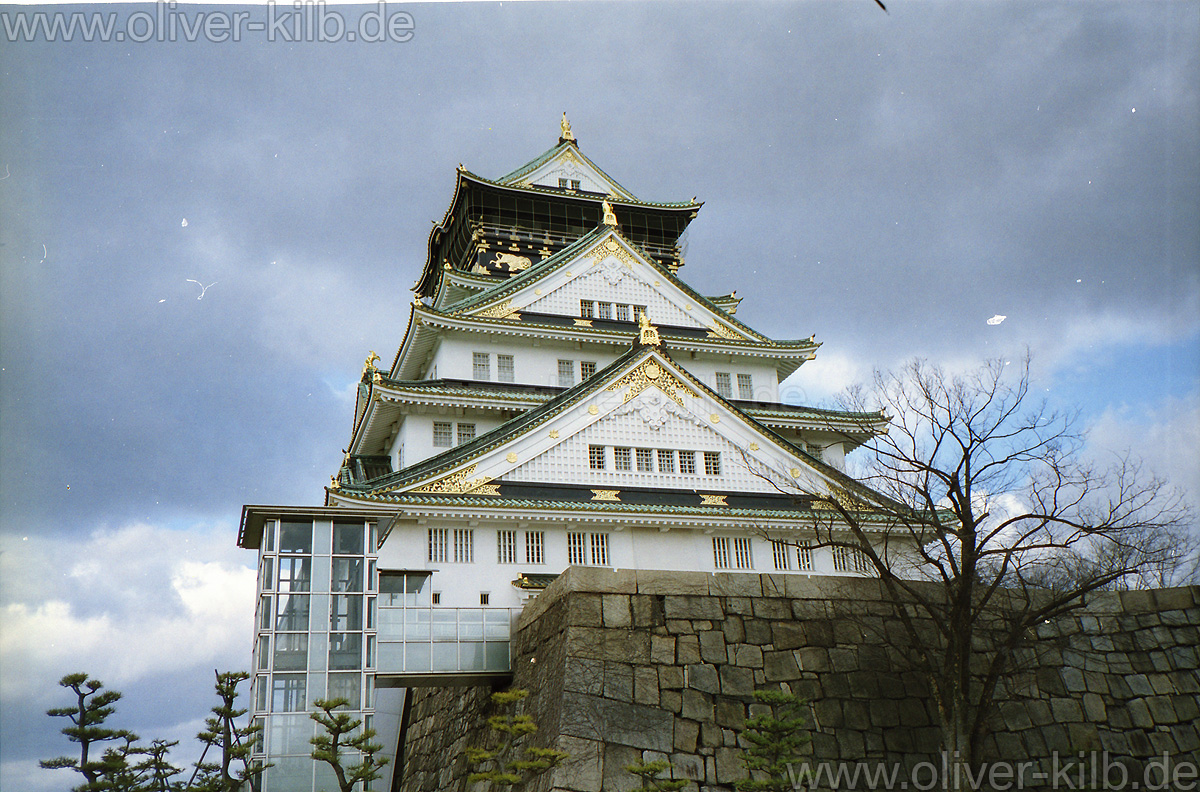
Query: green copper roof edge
{"x": 545, "y": 157}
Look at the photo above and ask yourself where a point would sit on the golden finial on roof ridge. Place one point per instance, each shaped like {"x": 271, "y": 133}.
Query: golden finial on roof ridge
{"x": 610, "y": 217}
{"x": 566, "y": 128}
{"x": 647, "y": 333}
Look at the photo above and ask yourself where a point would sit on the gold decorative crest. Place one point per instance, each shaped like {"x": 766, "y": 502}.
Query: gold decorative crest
{"x": 502, "y": 310}
{"x": 647, "y": 333}
{"x": 647, "y": 374}
{"x": 611, "y": 247}
{"x": 486, "y": 489}
{"x": 753, "y": 446}
{"x": 606, "y": 495}
{"x": 712, "y": 500}
{"x": 583, "y": 322}
{"x": 511, "y": 457}
{"x": 565, "y": 126}
{"x": 553, "y": 434}
{"x": 610, "y": 217}
{"x": 718, "y": 330}
{"x": 455, "y": 483}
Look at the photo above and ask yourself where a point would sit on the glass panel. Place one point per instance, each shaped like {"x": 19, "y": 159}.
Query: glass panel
{"x": 347, "y": 574}
{"x": 291, "y": 734}
{"x": 371, "y": 644}
{"x": 345, "y": 650}
{"x": 416, "y": 586}
{"x": 264, "y": 652}
{"x": 470, "y": 625}
{"x": 416, "y": 657}
{"x": 416, "y": 625}
{"x": 470, "y": 656}
{"x": 346, "y": 612}
{"x": 293, "y": 613}
{"x": 267, "y": 579}
{"x": 391, "y": 622}
{"x": 291, "y": 651}
{"x": 347, "y": 538}
{"x": 445, "y": 657}
{"x": 295, "y": 574}
{"x": 261, "y": 686}
{"x": 496, "y": 656}
{"x": 264, "y": 613}
{"x": 287, "y": 693}
{"x": 444, "y": 628}
{"x": 497, "y": 622}
{"x": 346, "y": 686}
{"x": 391, "y": 656}
{"x": 295, "y": 537}
{"x": 268, "y": 543}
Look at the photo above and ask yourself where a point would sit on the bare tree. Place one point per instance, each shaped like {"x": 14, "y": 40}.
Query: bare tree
{"x": 983, "y": 518}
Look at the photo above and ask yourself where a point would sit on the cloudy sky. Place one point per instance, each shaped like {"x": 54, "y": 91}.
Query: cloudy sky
{"x": 887, "y": 181}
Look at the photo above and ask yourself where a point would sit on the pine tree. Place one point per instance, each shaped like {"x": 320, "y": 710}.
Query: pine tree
{"x": 649, "y": 772}
{"x": 341, "y": 733}
{"x": 499, "y": 766}
{"x": 92, "y": 708}
{"x": 233, "y": 741}
{"x": 774, "y": 742}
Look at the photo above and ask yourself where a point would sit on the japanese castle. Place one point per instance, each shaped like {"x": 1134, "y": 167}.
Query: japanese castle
{"x": 560, "y": 397}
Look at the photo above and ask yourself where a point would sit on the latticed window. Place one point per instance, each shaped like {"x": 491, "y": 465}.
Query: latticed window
{"x": 505, "y": 372}
{"x": 506, "y": 547}
{"x": 482, "y": 365}
{"x": 742, "y": 556}
{"x": 804, "y": 560}
{"x": 721, "y": 552}
{"x": 724, "y": 388}
{"x": 576, "y": 548}
{"x": 464, "y": 546}
{"x": 687, "y": 462}
{"x": 437, "y": 544}
{"x": 443, "y": 434}
{"x": 586, "y": 368}
{"x": 622, "y": 459}
{"x": 596, "y": 457}
{"x": 566, "y": 373}
{"x": 850, "y": 559}
{"x": 622, "y": 313}
{"x": 781, "y": 555}
{"x": 535, "y": 541}
{"x": 666, "y": 460}
{"x": 645, "y": 460}
{"x": 712, "y": 463}
{"x": 466, "y": 433}
{"x": 600, "y": 549}
{"x": 638, "y": 310}
{"x": 745, "y": 386}
{"x": 604, "y": 310}
{"x": 587, "y": 308}
{"x": 815, "y": 451}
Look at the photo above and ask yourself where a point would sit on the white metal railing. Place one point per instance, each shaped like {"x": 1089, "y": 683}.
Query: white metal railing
{"x": 444, "y": 640}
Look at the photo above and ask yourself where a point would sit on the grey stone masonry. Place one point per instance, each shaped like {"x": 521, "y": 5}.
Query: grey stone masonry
{"x": 625, "y": 666}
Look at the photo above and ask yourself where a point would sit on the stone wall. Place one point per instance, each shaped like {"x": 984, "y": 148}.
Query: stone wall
{"x": 626, "y": 666}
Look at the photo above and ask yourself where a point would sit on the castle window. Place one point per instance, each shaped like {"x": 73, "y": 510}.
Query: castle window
{"x": 504, "y": 368}
{"x": 464, "y": 546}
{"x": 575, "y": 184}
{"x": 437, "y": 545}
{"x": 745, "y": 387}
{"x": 562, "y": 183}
{"x": 484, "y": 597}
{"x": 506, "y": 547}
{"x": 721, "y": 552}
{"x": 443, "y": 434}
{"x": 534, "y": 542}
{"x": 850, "y": 559}
{"x": 436, "y": 598}
{"x": 596, "y": 457}
{"x": 586, "y": 368}
{"x": 604, "y": 310}
{"x": 622, "y": 313}
{"x": 481, "y": 363}
{"x": 724, "y": 389}
{"x": 645, "y": 460}
{"x": 566, "y": 373}
{"x": 687, "y": 462}
{"x": 622, "y": 459}
{"x": 666, "y": 460}
{"x": 600, "y": 549}
{"x": 576, "y": 548}
{"x": 742, "y": 557}
{"x": 712, "y": 463}
{"x": 781, "y": 554}
{"x": 466, "y": 433}
{"x": 804, "y": 556}
{"x": 587, "y": 308}
{"x": 815, "y": 451}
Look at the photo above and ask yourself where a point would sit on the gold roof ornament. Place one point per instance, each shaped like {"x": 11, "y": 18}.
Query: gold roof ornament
{"x": 610, "y": 217}
{"x": 647, "y": 333}
{"x": 566, "y": 128}
{"x": 372, "y": 359}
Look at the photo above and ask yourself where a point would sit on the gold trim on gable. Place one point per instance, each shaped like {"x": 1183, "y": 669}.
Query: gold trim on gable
{"x": 455, "y": 483}
{"x": 650, "y": 373}
{"x": 502, "y": 310}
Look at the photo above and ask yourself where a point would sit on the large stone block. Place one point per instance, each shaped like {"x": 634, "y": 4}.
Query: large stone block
{"x": 584, "y": 610}
{"x": 758, "y": 632}
{"x": 584, "y": 771}
{"x": 697, "y": 706}
{"x": 687, "y": 649}
{"x": 747, "y": 656}
{"x": 786, "y": 635}
{"x": 730, "y": 713}
{"x": 736, "y": 681}
{"x": 662, "y": 649}
{"x": 712, "y": 647}
{"x": 616, "y": 759}
{"x": 681, "y": 607}
{"x": 732, "y": 584}
{"x": 774, "y": 609}
{"x": 733, "y": 629}
{"x": 730, "y": 767}
{"x": 817, "y": 632}
{"x": 702, "y": 677}
{"x": 687, "y": 733}
{"x": 650, "y": 581}
{"x": 670, "y": 677}
{"x": 616, "y": 611}
{"x": 780, "y": 666}
{"x": 634, "y": 725}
